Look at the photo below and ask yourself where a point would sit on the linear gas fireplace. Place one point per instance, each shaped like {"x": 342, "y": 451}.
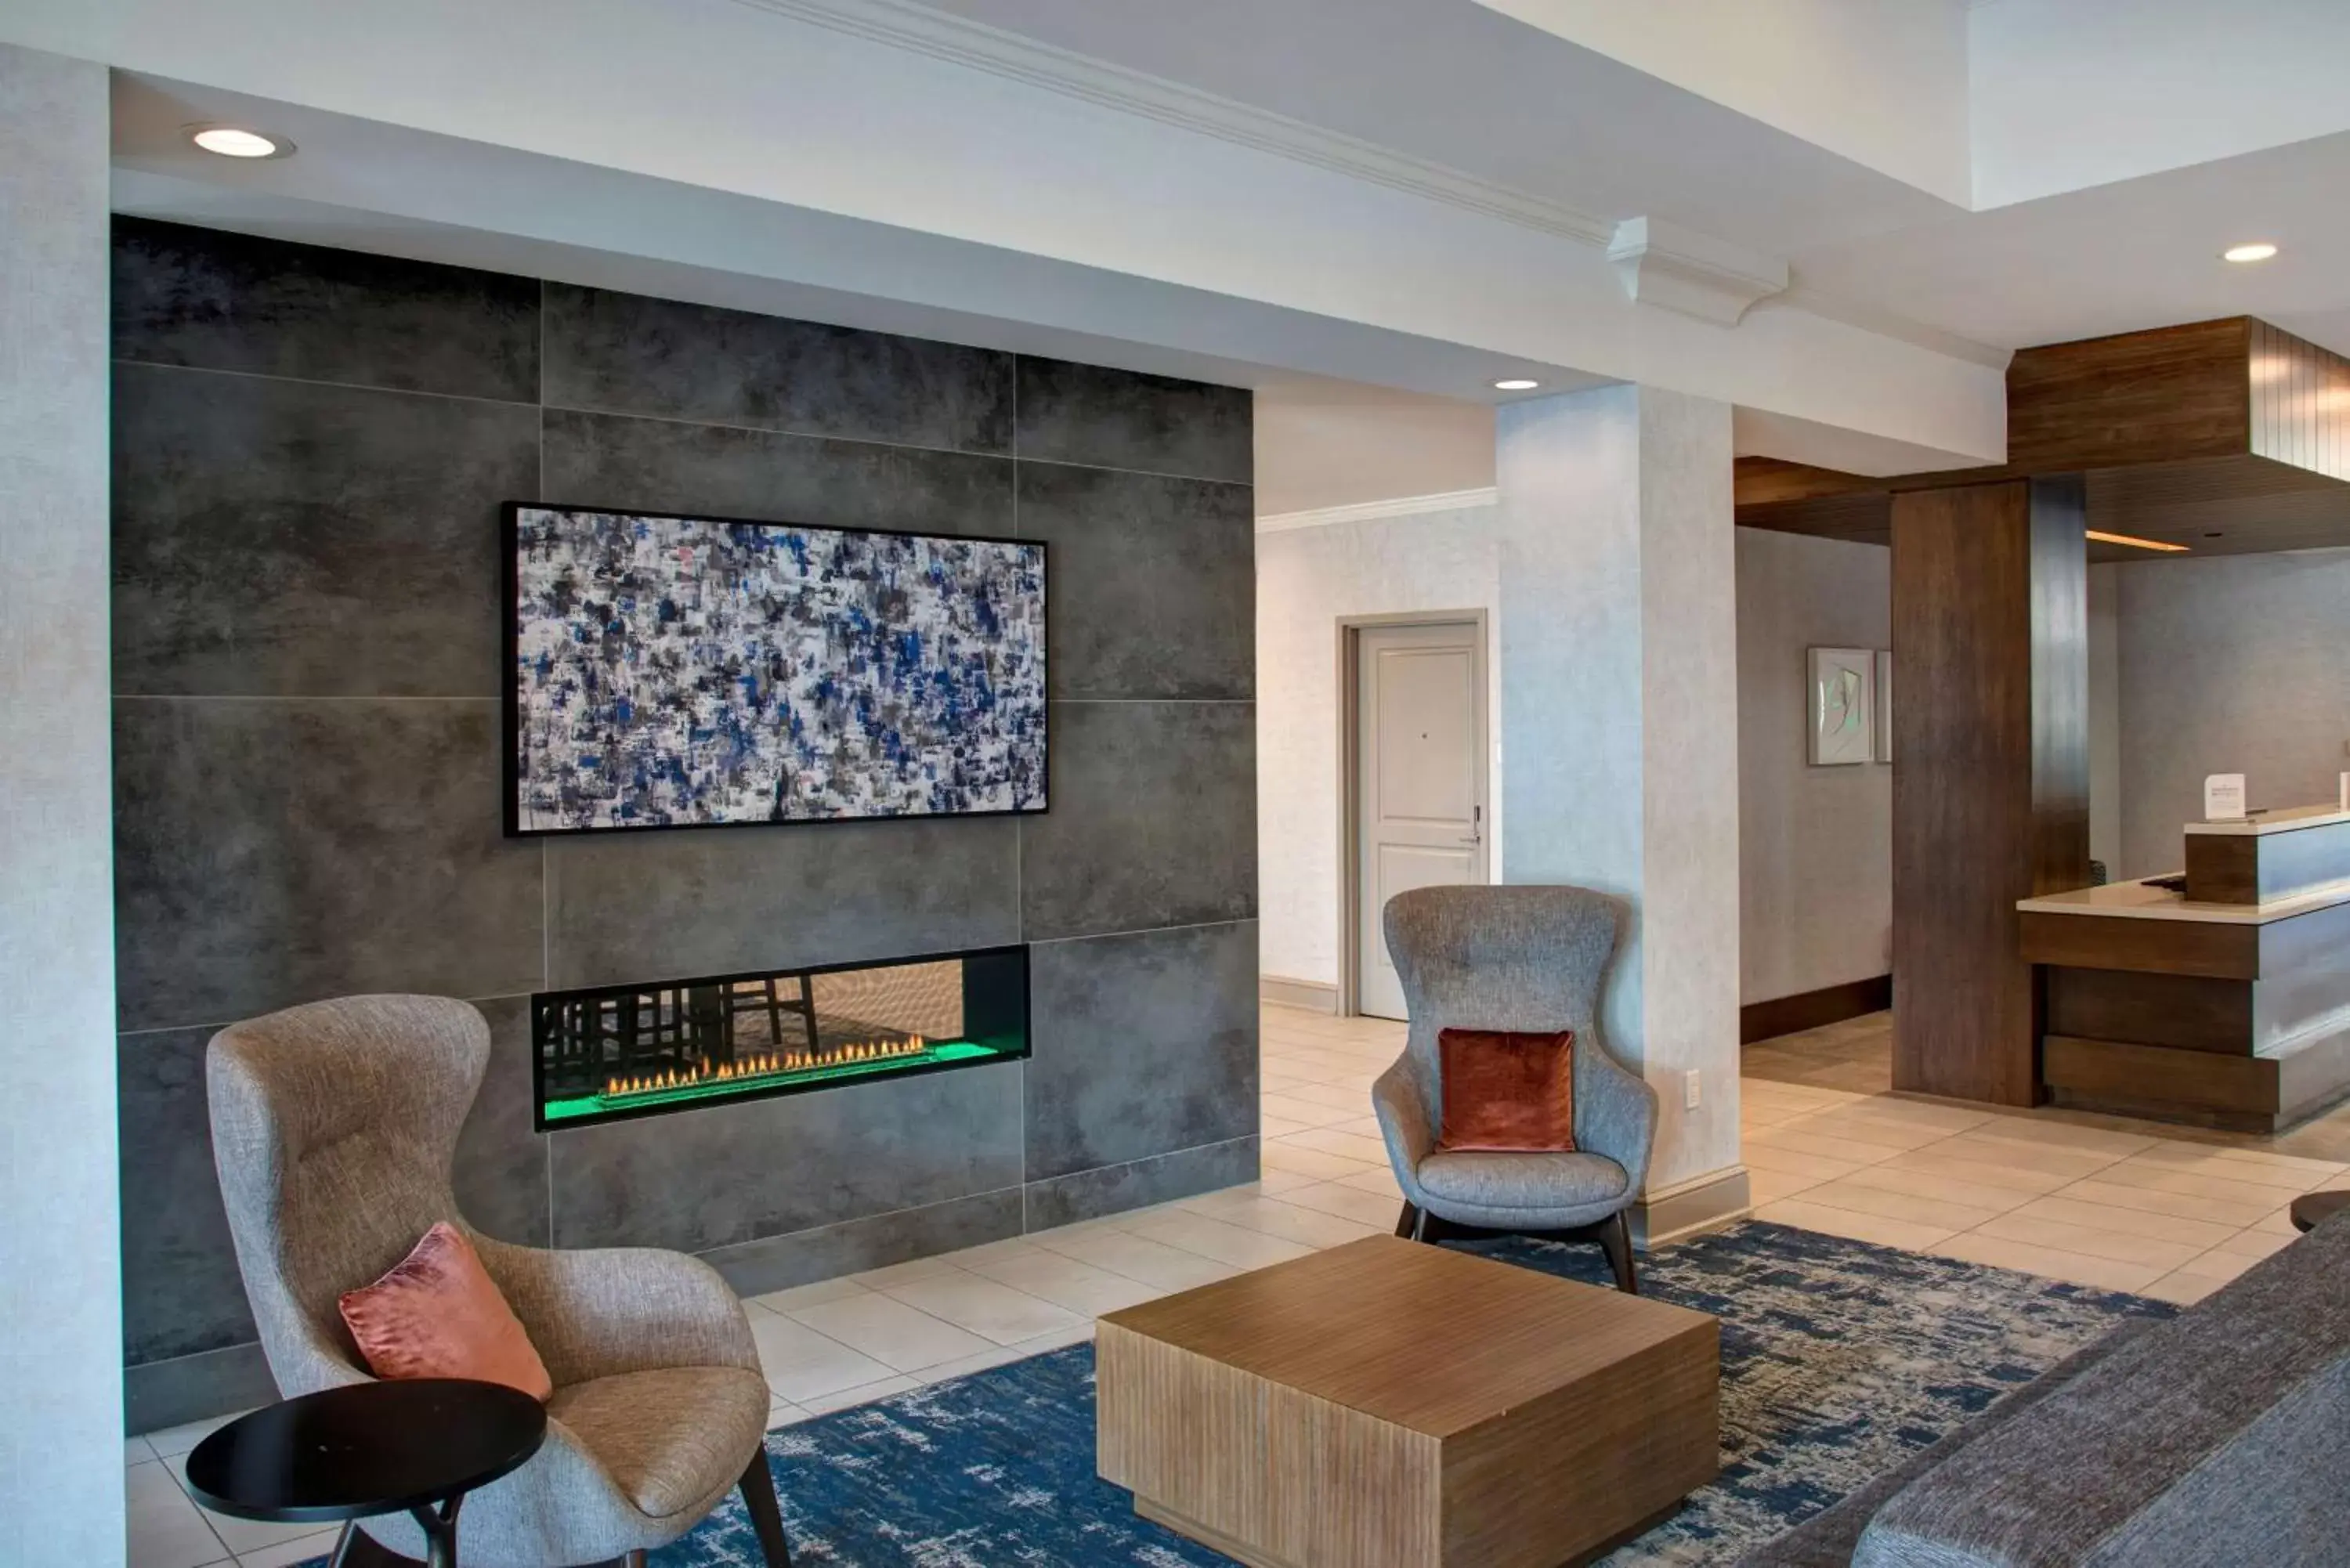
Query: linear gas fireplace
{"x": 640, "y": 1050}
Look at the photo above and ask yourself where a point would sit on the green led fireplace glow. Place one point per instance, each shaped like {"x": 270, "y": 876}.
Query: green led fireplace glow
{"x": 618, "y": 1052}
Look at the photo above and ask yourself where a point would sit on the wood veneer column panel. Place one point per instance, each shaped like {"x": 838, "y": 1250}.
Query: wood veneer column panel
{"x": 1990, "y": 777}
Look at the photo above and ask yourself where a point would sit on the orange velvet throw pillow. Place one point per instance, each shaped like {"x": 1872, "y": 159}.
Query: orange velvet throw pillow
{"x": 1506, "y": 1092}
{"x": 437, "y": 1313}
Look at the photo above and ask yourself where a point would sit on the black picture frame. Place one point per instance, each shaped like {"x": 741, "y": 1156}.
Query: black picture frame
{"x": 510, "y": 642}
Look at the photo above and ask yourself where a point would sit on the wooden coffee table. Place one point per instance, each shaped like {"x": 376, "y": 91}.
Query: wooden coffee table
{"x": 1389, "y": 1403}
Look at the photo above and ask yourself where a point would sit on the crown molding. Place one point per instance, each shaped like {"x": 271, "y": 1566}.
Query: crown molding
{"x": 1371, "y": 511}
{"x": 1698, "y": 271}
{"x": 1665, "y": 265}
{"x": 906, "y": 26}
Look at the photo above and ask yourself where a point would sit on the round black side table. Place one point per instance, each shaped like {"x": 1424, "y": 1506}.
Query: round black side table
{"x": 2312, "y": 1209}
{"x": 414, "y": 1447}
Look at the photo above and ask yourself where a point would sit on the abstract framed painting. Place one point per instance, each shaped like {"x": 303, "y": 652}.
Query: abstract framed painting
{"x": 672, "y": 671}
{"x": 1841, "y": 726}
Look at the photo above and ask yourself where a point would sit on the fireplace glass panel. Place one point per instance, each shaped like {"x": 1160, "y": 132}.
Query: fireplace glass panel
{"x": 631, "y": 1051}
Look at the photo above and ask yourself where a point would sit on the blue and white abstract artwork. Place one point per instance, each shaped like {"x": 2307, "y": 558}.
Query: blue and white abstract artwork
{"x": 679, "y": 671}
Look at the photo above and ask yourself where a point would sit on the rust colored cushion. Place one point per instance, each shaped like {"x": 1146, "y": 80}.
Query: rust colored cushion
{"x": 439, "y": 1314}
{"x": 1507, "y": 1092}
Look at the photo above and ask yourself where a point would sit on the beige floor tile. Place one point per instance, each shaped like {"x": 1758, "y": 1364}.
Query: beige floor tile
{"x": 1310, "y": 1227}
{"x": 2163, "y": 1176}
{"x": 170, "y": 1440}
{"x": 2048, "y": 1263}
{"x": 1770, "y": 1185}
{"x": 1139, "y": 1258}
{"x": 1273, "y": 1083}
{"x": 136, "y": 1451}
{"x": 1808, "y": 1216}
{"x": 1796, "y": 1162}
{"x": 2182, "y": 1289}
{"x": 239, "y": 1535}
{"x": 985, "y": 1306}
{"x": 2257, "y": 1243}
{"x": 802, "y": 1365}
{"x": 1241, "y": 1246}
{"x": 1079, "y": 1287}
{"x": 1336, "y": 1099}
{"x": 2218, "y": 1265}
{"x": 285, "y": 1553}
{"x": 1988, "y": 1171}
{"x": 806, "y": 1295}
{"x": 1302, "y": 1112}
{"x": 902, "y": 1338}
{"x": 1348, "y": 1145}
{"x": 1273, "y": 1179}
{"x": 1381, "y": 1181}
{"x": 784, "y": 1413}
{"x": 863, "y": 1394}
{"x": 163, "y": 1529}
{"x": 1317, "y": 1163}
{"x": 2093, "y": 1241}
{"x": 2293, "y": 1175}
{"x": 2037, "y": 1132}
{"x": 1861, "y": 1193}
{"x": 948, "y": 1371}
{"x": 1347, "y": 1202}
{"x": 1059, "y": 1341}
{"x": 2195, "y": 1234}
{"x": 2235, "y": 1213}
{"x": 1268, "y": 1126}
{"x": 2050, "y": 1159}
{"x": 1804, "y": 1138}
{"x": 1992, "y": 1199}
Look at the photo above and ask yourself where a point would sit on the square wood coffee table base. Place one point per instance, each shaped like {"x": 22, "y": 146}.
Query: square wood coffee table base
{"x": 1391, "y": 1405}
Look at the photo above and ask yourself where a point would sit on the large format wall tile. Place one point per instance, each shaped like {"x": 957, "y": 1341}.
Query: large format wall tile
{"x": 229, "y": 302}
{"x": 1143, "y": 1044}
{"x": 729, "y": 1174}
{"x": 1153, "y": 581}
{"x": 180, "y": 1290}
{"x": 629, "y": 354}
{"x": 1118, "y": 419}
{"x": 679, "y": 904}
{"x": 828, "y": 1251}
{"x": 500, "y": 1174}
{"x": 1161, "y": 1178}
{"x": 662, "y": 465}
{"x": 286, "y": 538}
{"x": 1153, "y": 820}
{"x": 271, "y": 852}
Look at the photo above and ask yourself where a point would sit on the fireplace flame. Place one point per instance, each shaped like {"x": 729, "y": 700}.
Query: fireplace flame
{"x": 773, "y": 1064}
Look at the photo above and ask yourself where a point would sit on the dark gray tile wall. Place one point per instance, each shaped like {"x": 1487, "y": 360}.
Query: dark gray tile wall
{"x": 311, "y": 446}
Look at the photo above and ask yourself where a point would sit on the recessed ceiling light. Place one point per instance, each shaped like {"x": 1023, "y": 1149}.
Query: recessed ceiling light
{"x": 1515, "y": 384}
{"x": 235, "y": 141}
{"x": 2137, "y": 544}
{"x": 2260, "y": 250}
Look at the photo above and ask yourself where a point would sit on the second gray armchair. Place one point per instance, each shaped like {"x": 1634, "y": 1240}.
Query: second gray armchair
{"x": 1515, "y": 958}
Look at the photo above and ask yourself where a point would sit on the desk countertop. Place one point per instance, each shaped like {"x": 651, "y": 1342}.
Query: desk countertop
{"x": 2287, "y": 820}
{"x": 2137, "y": 900}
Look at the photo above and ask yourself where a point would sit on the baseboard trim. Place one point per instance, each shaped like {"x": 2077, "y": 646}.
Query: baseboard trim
{"x": 1312, "y": 995}
{"x": 1708, "y": 1202}
{"x": 1812, "y": 1009}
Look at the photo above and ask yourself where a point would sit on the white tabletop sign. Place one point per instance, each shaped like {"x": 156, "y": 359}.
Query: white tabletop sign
{"x": 2223, "y": 797}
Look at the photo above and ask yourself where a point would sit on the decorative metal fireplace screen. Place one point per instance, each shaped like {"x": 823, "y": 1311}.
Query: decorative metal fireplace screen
{"x": 634, "y": 1051}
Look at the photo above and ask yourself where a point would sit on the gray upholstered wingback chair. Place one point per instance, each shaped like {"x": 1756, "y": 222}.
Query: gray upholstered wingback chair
{"x": 1519, "y": 959}
{"x": 333, "y": 1130}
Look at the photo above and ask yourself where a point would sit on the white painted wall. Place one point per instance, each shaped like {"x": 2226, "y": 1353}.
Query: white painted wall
{"x": 2229, "y": 664}
{"x": 1814, "y": 844}
{"x": 1620, "y": 699}
{"x": 1883, "y": 85}
{"x": 1307, "y": 580}
{"x": 2073, "y": 93}
{"x": 60, "y": 1234}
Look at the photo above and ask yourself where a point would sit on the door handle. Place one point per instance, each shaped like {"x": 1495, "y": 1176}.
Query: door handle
{"x": 1472, "y": 838}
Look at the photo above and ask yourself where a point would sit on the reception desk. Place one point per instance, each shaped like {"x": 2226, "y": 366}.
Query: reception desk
{"x": 2224, "y": 1002}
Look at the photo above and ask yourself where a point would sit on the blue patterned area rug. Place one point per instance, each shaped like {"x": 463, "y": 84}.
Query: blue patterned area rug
{"x": 1838, "y": 1359}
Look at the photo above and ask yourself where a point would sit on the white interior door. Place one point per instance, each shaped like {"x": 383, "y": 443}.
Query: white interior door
{"x": 1419, "y": 779}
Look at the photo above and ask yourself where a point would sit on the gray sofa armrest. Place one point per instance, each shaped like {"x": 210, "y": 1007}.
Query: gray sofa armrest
{"x": 1614, "y": 1111}
{"x": 606, "y": 1311}
{"x": 1405, "y": 1119}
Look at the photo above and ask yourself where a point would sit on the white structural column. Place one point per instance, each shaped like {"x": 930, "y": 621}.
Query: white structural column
{"x": 61, "y": 1496}
{"x": 1619, "y": 701}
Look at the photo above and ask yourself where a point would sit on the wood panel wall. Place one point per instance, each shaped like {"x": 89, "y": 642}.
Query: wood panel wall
{"x": 1990, "y": 770}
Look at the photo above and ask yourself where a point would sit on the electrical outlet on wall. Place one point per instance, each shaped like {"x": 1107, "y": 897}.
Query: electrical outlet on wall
{"x": 1692, "y": 1087}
